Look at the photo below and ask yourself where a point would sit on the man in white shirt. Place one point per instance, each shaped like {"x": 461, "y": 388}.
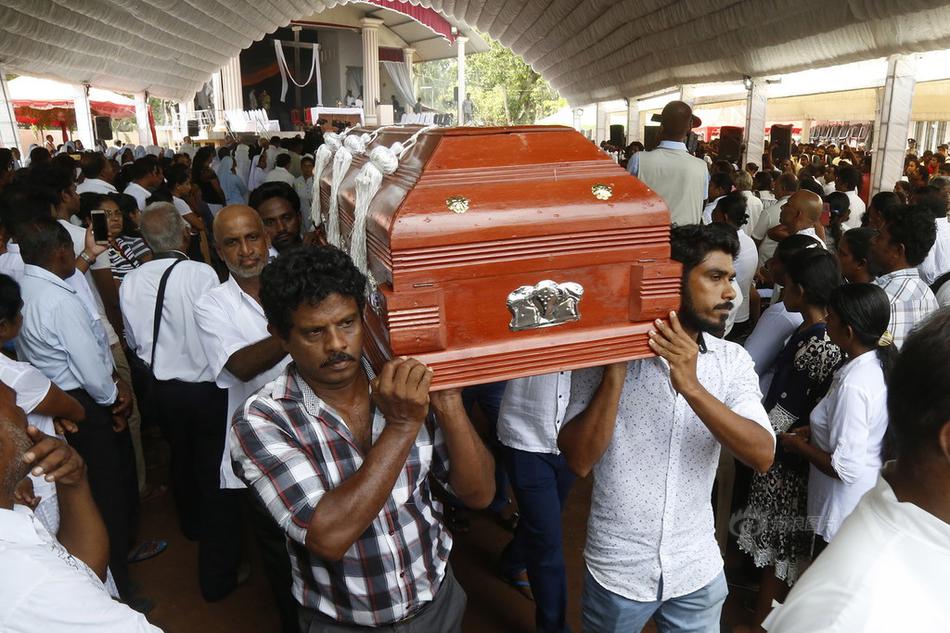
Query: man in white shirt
{"x": 51, "y": 584}
{"x": 937, "y": 199}
{"x": 146, "y": 177}
{"x": 532, "y": 412}
{"x": 847, "y": 180}
{"x": 798, "y": 216}
{"x": 651, "y": 431}
{"x": 303, "y": 185}
{"x": 280, "y": 172}
{"x": 64, "y": 339}
{"x": 784, "y": 186}
{"x": 753, "y": 202}
{"x": 192, "y": 408}
{"x": 731, "y": 212}
{"x": 888, "y": 567}
{"x": 828, "y": 175}
{"x": 719, "y": 185}
{"x": 98, "y": 174}
{"x": 244, "y": 357}
{"x": 682, "y": 180}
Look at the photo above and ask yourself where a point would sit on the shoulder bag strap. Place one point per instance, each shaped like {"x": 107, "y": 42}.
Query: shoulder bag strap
{"x": 159, "y": 303}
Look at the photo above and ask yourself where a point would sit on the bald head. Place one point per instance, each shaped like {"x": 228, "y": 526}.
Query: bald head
{"x": 676, "y": 121}
{"x": 802, "y": 210}
{"x": 241, "y": 241}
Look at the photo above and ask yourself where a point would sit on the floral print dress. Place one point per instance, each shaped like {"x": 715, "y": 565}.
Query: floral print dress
{"x": 775, "y": 530}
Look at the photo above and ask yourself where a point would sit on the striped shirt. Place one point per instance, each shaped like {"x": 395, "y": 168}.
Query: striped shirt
{"x": 290, "y": 448}
{"x": 911, "y": 301}
{"x": 128, "y": 256}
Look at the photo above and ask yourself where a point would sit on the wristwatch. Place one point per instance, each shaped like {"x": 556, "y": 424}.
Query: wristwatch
{"x": 86, "y": 258}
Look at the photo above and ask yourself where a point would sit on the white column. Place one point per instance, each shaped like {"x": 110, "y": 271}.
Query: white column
{"x": 407, "y": 58}
{"x": 217, "y": 95}
{"x": 892, "y": 122}
{"x": 85, "y": 130}
{"x": 141, "y": 119}
{"x": 370, "y": 67}
{"x": 9, "y": 135}
{"x": 633, "y": 120}
{"x": 460, "y": 41}
{"x": 231, "y": 84}
{"x": 686, "y": 94}
{"x": 600, "y": 123}
{"x": 754, "y": 133}
{"x": 806, "y": 130}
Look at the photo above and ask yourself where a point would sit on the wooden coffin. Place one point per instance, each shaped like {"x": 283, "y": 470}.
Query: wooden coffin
{"x": 499, "y": 253}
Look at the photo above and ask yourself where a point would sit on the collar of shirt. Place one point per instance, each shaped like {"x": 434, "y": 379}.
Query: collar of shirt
{"x": 41, "y": 273}
{"x": 905, "y": 516}
{"x": 672, "y": 145}
{"x": 235, "y": 289}
{"x": 16, "y": 526}
{"x": 885, "y": 279}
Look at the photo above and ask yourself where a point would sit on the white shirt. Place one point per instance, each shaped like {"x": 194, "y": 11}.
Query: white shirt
{"x": 60, "y": 338}
{"x": 709, "y": 208}
{"x": 229, "y": 320}
{"x": 768, "y": 219}
{"x": 746, "y": 264}
{"x": 44, "y": 588}
{"x": 887, "y": 569}
{"x": 180, "y": 355}
{"x": 11, "y": 262}
{"x": 650, "y": 512}
{"x": 775, "y": 325}
{"x": 94, "y": 185}
{"x": 753, "y": 207}
{"x": 140, "y": 193}
{"x": 88, "y": 291}
{"x": 828, "y": 187}
{"x": 849, "y": 423}
{"x": 938, "y": 259}
{"x": 532, "y": 412}
{"x": 857, "y": 208}
{"x": 943, "y": 295}
{"x": 280, "y": 174}
{"x": 181, "y": 206}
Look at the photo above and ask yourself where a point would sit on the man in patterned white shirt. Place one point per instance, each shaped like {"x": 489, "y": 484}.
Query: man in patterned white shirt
{"x": 341, "y": 459}
{"x": 905, "y": 234}
{"x": 651, "y": 431}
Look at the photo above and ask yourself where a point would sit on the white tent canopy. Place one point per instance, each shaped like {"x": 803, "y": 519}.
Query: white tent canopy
{"x": 590, "y": 50}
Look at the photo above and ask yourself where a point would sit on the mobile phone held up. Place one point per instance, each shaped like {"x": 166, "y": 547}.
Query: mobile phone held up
{"x": 100, "y": 226}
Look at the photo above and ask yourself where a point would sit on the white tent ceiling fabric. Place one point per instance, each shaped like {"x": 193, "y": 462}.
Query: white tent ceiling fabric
{"x": 590, "y": 50}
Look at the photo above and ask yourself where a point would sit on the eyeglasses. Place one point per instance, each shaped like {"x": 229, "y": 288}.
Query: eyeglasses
{"x": 109, "y": 213}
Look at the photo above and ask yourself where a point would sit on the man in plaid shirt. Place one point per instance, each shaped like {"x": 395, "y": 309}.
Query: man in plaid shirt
{"x": 905, "y": 234}
{"x": 341, "y": 459}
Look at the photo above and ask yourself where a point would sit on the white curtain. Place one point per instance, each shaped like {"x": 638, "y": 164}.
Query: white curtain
{"x": 354, "y": 81}
{"x": 400, "y": 76}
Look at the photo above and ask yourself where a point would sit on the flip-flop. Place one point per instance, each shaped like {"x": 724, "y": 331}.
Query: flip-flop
{"x": 147, "y": 549}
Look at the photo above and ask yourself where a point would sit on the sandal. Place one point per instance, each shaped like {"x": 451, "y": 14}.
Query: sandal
{"x": 146, "y": 550}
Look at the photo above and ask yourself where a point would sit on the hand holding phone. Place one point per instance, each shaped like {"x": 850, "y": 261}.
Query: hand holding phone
{"x": 100, "y": 226}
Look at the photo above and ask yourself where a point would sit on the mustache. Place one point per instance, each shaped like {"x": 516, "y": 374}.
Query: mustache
{"x": 725, "y": 306}
{"x": 337, "y": 358}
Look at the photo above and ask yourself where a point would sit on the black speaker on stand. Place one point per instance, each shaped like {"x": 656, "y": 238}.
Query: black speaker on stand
{"x": 650, "y": 136}
{"x": 617, "y": 137}
{"x": 104, "y": 128}
{"x": 193, "y": 129}
{"x": 730, "y": 143}
{"x": 781, "y": 142}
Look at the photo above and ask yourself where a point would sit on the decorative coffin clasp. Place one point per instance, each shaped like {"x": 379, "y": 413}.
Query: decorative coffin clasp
{"x": 544, "y": 304}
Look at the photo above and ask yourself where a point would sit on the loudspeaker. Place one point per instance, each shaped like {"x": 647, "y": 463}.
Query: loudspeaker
{"x": 650, "y": 134}
{"x": 730, "y": 143}
{"x": 104, "y": 128}
{"x": 617, "y": 137}
{"x": 193, "y": 129}
{"x": 781, "y": 142}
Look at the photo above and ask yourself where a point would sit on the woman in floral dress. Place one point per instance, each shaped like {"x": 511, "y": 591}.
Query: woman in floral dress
{"x": 775, "y": 532}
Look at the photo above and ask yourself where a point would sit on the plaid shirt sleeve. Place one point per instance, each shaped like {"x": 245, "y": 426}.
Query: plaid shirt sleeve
{"x": 270, "y": 459}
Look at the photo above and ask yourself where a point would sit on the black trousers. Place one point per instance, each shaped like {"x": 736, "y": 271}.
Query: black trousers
{"x": 110, "y": 467}
{"x": 194, "y": 420}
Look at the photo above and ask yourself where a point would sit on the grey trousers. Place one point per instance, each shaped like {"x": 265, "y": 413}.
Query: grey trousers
{"x": 442, "y": 615}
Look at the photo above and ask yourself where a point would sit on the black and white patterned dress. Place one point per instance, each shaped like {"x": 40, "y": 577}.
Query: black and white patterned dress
{"x": 776, "y": 530}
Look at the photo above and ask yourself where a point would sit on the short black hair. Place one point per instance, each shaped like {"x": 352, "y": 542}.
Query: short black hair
{"x": 933, "y": 198}
{"x": 722, "y": 180}
{"x": 275, "y": 189}
{"x": 789, "y": 182}
{"x": 914, "y": 227}
{"x": 38, "y": 155}
{"x": 762, "y": 181}
{"x": 816, "y": 271}
{"x": 92, "y": 164}
{"x": 308, "y": 275}
{"x": 838, "y": 202}
{"x": 733, "y": 205}
{"x": 849, "y": 176}
{"x": 859, "y": 242}
{"x": 810, "y": 184}
{"x": 11, "y": 301}
{"x": 40, "y": 238}
{"x": 22, "y": 203}
{"x": 142, "y": 167}
{"x": 282, "y": 160}
{"x": 691, "y": 243}
{"x": 918, "y": 395}
{"x": 52, "y": 176}
{"x": 793, "y": 244}
{"x": 177, "y": 174}
{"x": 307, "y": 159}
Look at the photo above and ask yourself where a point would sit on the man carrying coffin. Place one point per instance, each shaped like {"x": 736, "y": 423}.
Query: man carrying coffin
{"x": 340, "y": 457}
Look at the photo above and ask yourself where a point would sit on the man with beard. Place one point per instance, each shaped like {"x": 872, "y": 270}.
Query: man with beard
{"x": 244, "y": 357}
{"x": 279, "y": 207}
{"x": 191, "y": 407}
{"x": 651, "y": 431}
{"x": 52, "y": 584}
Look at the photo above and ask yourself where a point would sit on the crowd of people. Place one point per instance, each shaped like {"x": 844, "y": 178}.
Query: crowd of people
{"x": 808, "y": 361}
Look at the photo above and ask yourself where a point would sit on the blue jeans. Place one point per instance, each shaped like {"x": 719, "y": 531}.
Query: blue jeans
{"x": 605, "y": 612}
{"x": 541, "y": 482}
{"x": 488, "y": 398}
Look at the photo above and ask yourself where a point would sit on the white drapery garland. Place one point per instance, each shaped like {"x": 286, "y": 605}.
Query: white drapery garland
{"x": 400, "y": 76}
{"x": 285, "y": 71}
